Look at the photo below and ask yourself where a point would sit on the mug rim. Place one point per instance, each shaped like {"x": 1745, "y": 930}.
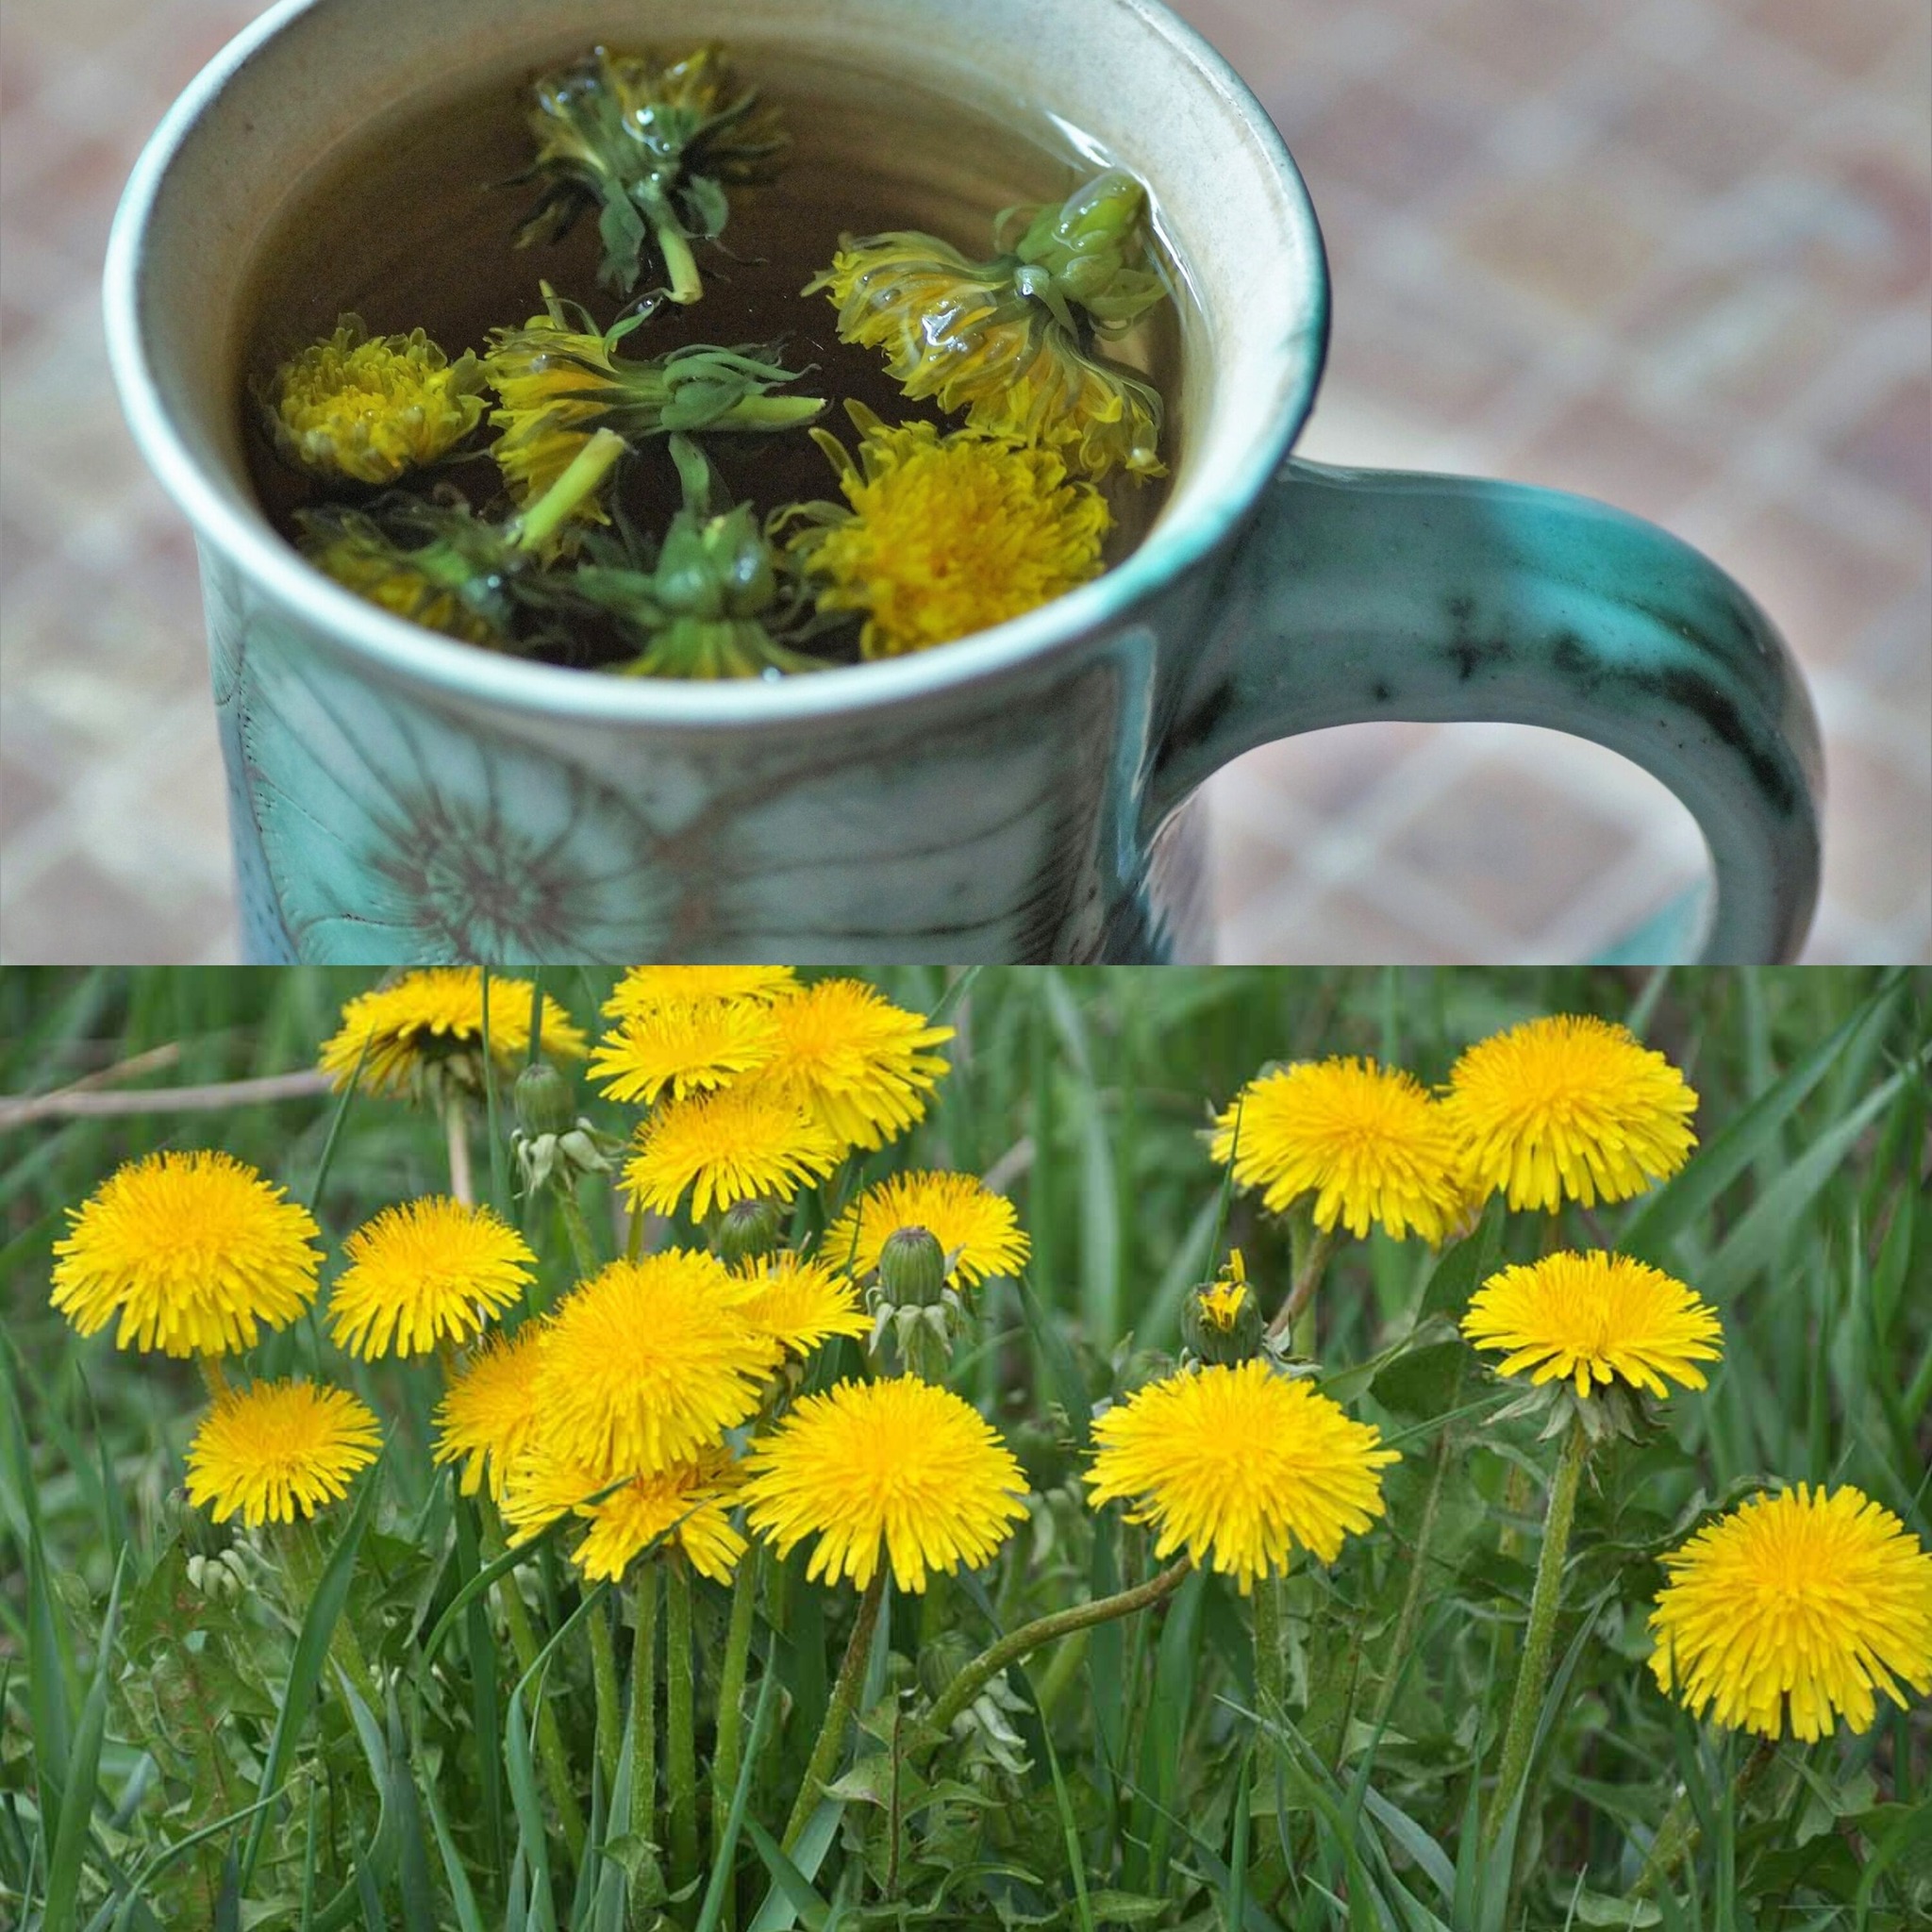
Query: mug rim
{"x": 385, "y": 642}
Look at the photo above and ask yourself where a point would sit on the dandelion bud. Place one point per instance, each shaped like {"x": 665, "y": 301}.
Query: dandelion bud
{"x": 912, "y": 1269}
{"x": 544, "y": 1100}
{"x": 1223, "y": 1322}
{"x": 747, "y": 1229}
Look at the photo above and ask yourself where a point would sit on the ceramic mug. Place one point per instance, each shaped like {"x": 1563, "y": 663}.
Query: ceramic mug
{"x": 1021, "y": 794}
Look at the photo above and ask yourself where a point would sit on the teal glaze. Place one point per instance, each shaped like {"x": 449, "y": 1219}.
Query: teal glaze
{"x": 1023, "y": 794}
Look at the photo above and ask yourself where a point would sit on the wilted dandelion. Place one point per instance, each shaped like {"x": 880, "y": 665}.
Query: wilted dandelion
{"x": 194, "y": 1253}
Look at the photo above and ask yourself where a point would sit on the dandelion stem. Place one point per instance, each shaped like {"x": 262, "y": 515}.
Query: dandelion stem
{"x": 302, "y": 1562}
{"x": 1029, "y": 1637}
{"x": 1310, "y": 1260}
{"x": 727, "y": 1751}
{"x": 680, "y": 263}
{"x": 1678, "y": 1836}
{"x": 1532, "y": 1671}
{"x": 456, "y": 1121}
{"x": 1269, "y": 1681}
{"x": 603, "y": 1680}
{"x": 643, "y": 1708}
{"x": 583, "y": 1249}
{"x": 586, "y": 469}
{"x": 522, "y": 1639}
{"x": 770, "y": 412}
{"x": 825, "y": 1753}
{"x": 213, "y": 1376}
{"x": 680, "y": 1725}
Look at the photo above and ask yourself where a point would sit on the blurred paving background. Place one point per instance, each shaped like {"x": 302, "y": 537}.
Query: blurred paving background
{"x": 1671, "y": 253}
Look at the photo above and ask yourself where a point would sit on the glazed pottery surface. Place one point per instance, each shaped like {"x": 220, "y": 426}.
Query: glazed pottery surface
{"x": 1023, "y": 794}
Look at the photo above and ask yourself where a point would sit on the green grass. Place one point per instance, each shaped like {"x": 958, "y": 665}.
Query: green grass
{"x": 184, "y": 1748}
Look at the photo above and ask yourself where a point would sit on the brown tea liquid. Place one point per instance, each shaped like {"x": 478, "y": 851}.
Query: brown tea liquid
{"x": 412, "y": 227}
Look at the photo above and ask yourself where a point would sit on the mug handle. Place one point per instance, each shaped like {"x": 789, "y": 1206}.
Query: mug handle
{"x": 1358, "y": 594}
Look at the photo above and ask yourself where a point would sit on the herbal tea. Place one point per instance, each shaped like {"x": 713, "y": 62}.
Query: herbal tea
{"x": 682, "y": 366}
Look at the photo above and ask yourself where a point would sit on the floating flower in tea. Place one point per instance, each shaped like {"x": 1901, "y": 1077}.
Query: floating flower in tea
{"x": 652, "y": 145}
{"x": 441, "y": 565}
{"x": 1011, "y": 340}
{"x": 945, "y": 534}
{"x": 370, "y": 408}
{"x": 716, "y": 599}
{"x": 557, "y": 384}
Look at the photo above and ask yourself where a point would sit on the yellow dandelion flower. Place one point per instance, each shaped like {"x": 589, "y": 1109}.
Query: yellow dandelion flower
{"x": 1594, "y": 1319}
{"x": 648, "y": 990}
{"x": 425, "y": 1272}
{"x": 685, "y": 1046}
{"x": 1367, "y": 1142}
{"x": 900, "y": 1466}
{"x": 1569, "y": 1107}
{"x": 434, "y": 1018}
{"x": 1797, "y": 1607}
{"x": 279, "y": 1450}
{"x": 1238, "y": 1466}
{"x": 370, "y": 408}
{"x": 735, "y": 1145}
{"x": 977, "y": 1229}
{"x": 488, "y": 1416}
{"x": 690, "y": 1503}
{"x": 857, "y": 1063}
{"x": 195, "y": 1253}
{"x": 947, "y": 535}
{"x": 800, "y": 1304}
{"x": 648, "y": 1362}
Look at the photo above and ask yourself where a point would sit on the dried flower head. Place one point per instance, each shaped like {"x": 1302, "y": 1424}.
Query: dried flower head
{"x": 1794, "y": 1609}
{"x": 898, "y": 1471}
{"x": 1238, "y": 1466}
{"x": 947, "y": 534}
{"x": 195, "y": 1254}
{"x": 1569, "y": 1108}
{"x": 370, "y": 408}
{"x": 279, "y": 1450}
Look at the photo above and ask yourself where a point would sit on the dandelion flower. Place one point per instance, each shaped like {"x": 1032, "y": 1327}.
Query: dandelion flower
{"x": 691, "y": 1504}
{"x": 899, "y": 1466}
{"x": 425, "y": 1272}
{"x": 488, "y": 1416}
{"x": 800, "y": 1304}
{"x": 433, "y": 1018}
{"x": 648, "y": 990}
{"x": 1795, "y": 1607}
{"x": 370, "y": 408}
{"x": 648, "y": 1362}
{"x": 1367, "y": 1142}
{"x": 976, "y": 1228}
{"x": 1594, "y": 1319}
{"x": 448, "y": 587}
{"x": 686, "y": 1046}
{"x": 859, "y": 1064}
{"x": 277, "y": 1450}
{"x": 737, "y": 1144}
{"x": 947, "y": 535}
{"x": 1238, "y": 1466}
{"x": 195, "y": 1253}
{"x": 1569, "y": 1107}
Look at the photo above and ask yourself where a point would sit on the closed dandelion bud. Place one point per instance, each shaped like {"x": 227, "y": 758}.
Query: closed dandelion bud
{"x": 747, "y": 1229}
{"x": 912, "y": 1269}
{"x": 544, "y": 1103}
{"x": 1222, "y": 1324}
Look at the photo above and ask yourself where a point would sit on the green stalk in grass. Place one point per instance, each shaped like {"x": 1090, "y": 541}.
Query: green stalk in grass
{"x": 1533, "y": 1671}
{"x": 845, "y": 1700}
{"x": 644, "y": 1707}
{"x": 680, "y": 1725}
{"x": 609, "y": 1704}
{"x": 726, "y": 1751}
